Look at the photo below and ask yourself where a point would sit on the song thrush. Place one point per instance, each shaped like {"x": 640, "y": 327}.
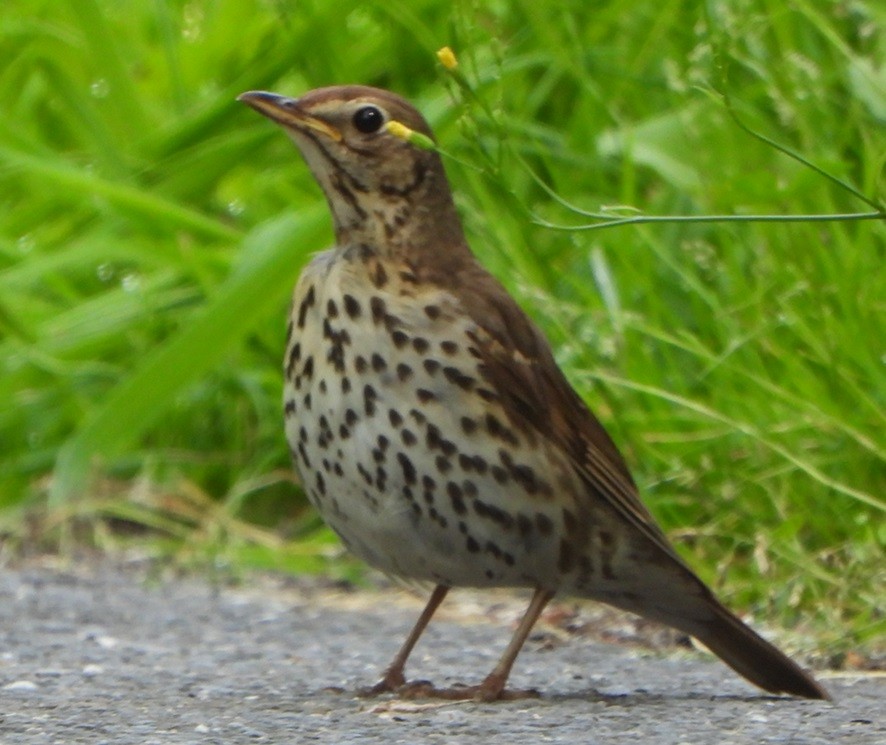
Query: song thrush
{"x": 431, "y": 426}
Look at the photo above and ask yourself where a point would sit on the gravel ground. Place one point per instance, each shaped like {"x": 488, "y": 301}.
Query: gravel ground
{"x": 101, "y": 654}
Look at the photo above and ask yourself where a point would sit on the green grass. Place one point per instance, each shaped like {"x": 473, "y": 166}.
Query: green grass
{"x": 151, "y": 229}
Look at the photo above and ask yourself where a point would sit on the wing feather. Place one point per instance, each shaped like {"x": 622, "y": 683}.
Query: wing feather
{"x": 518, "y": 363}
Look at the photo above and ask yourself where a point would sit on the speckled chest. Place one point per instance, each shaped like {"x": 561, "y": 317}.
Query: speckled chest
{"x": 401, "y": 443}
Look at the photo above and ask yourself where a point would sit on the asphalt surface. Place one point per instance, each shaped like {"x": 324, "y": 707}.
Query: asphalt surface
{"x": 105, "y": 654}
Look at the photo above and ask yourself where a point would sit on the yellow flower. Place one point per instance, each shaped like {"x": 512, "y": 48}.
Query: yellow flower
{"x": 398, "y": 129}
{"x": 447, "y": 58}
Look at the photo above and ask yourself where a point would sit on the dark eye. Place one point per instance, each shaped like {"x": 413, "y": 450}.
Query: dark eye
{"x": 368, "y": 119}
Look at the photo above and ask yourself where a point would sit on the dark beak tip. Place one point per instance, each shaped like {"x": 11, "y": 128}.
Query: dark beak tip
{"x": 252, "y": 96}
{"x": 264, "y": 101}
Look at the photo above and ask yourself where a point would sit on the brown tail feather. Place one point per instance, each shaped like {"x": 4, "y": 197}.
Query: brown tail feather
{"x": 689, "y": 605}
{"x": 753, "y": 657}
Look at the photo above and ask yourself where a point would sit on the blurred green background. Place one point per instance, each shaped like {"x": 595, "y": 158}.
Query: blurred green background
{"x": 151, "y": 229}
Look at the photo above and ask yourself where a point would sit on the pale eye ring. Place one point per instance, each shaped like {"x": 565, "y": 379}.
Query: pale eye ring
{"x": 368, "y": 119}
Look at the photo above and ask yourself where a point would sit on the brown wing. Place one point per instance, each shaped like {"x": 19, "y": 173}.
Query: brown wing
{"x": 518, "y": 361}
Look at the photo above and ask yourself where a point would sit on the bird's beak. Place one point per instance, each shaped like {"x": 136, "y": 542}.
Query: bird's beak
{"x": 287, "y": 113}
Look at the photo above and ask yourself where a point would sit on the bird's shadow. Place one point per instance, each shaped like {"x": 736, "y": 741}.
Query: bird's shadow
{"x": 639, "y": 697}
{"x": 589, "y": 695}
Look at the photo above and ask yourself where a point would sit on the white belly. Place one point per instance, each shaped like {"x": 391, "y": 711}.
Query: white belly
{"x": 389, "y": 425}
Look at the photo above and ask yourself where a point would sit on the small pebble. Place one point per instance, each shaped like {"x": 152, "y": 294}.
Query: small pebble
{"x": 20, "y": 685}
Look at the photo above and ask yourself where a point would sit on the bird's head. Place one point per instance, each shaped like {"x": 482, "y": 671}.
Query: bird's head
{"x": 378, "y": 185}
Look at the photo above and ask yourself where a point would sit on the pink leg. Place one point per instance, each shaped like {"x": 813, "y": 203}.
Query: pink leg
{"x": 493, "y": 686}
{"x": 393, "y": 677}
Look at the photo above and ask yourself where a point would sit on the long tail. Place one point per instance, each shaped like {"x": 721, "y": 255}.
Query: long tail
{"x": 751, "y": 656}
{"x": 676, "y": 597}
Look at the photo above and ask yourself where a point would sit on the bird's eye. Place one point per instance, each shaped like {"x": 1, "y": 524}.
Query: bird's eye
{"x": 368, "y": 119}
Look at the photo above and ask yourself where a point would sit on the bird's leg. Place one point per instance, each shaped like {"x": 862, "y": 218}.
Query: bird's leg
{"x": 493, "y": 685}
{"x": 393, "y": 678}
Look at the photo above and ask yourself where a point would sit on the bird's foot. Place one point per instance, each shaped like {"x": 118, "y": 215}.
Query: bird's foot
{"x": 392, "y": 682}
{"x": 488, "y": 690}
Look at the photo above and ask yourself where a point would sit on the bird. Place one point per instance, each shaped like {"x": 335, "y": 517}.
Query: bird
{"x": 430, "y": 425}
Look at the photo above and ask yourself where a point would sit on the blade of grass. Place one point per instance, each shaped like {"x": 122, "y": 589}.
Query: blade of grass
{"x": 141, "y": 399}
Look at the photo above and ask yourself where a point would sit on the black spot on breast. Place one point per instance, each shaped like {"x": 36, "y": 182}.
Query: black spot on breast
{"x": 369, "y": 398}
{"x": 468, "y": 425}
{"x": 360, "y": 364}
{"x": 525, "y": 476}
{"x": 498, "y": 429}
{"x": 420, "y": 344}
{"x": 305, "y": 306}
{"x": 448, "y": 447}
{"x": 434, "y": 438}
{"x": 457, "y": 377}
{"x": 496, "y": 514}
{"x": 378, "y": 363}
{"x": 404, "y": 372}
{"x": 432, "y": 311}
{"x": 408, "y": 468}
{"x": 352, "y": 307}
{"x": 524, "y": 525}
{"x": 424, "y": 395}
{"x": 351, "y": 417}
{"x": 378, "y": 309}
{"x": 379, "y": 276}
{"x": 408, "y": 437}
{"x": 394, "y": 418}
{"x": 449, "y": 347}
{"x": 308, "y": 370}
{"x": 367, "y": 476}
{"x": 400, "y": 338}
{"x": 294, "y": 357}
{"x": 543, "y": 523}
{"x": 431, "y": 366}
{"x": 331, "y": 309}
{"x": 456, "y": 497}
{"x": 304, "y": 455}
